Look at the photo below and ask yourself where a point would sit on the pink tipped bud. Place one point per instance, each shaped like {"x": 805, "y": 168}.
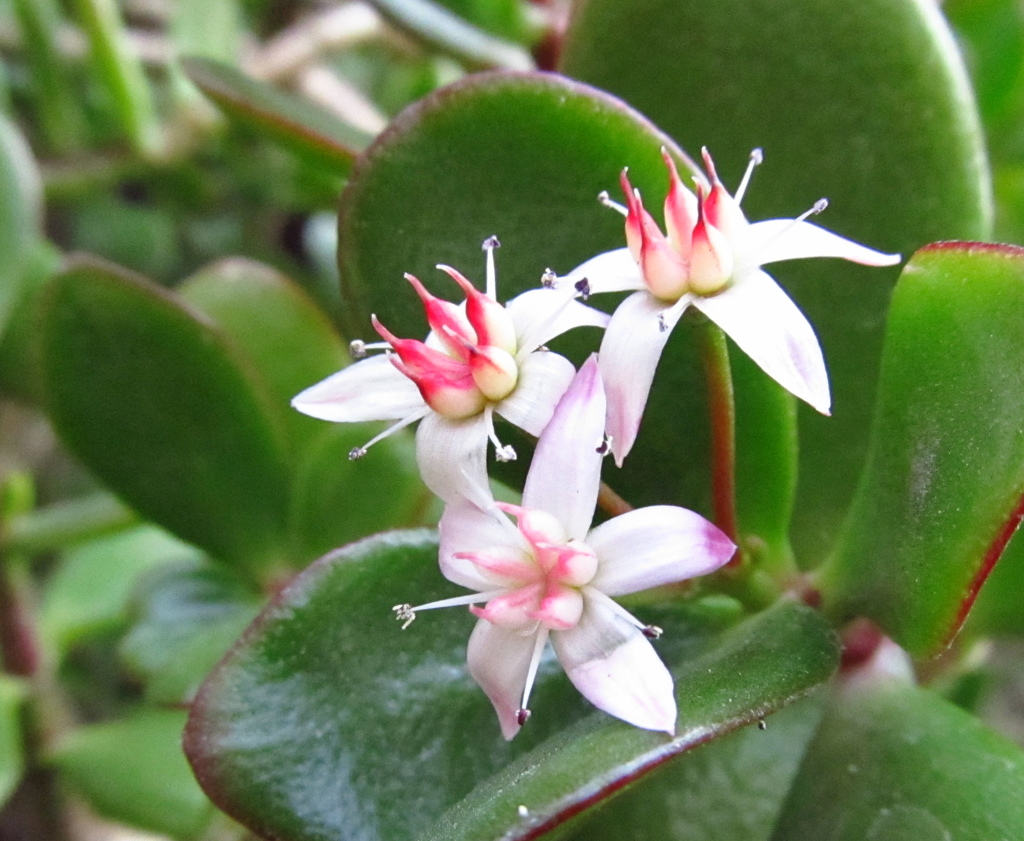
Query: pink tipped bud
{"x": 560, "y": 609}
{"x": 446, "y": 319}
{"x": 452, "y": 398}
{"x": 494, "y": 371}
{"x": 680, "y": 208}
{"x": 634, "y": 216}
{"x": 493, "y": 325}
{"x": 719, "y": 208}
{"x": 663, "y": 268}
{"x": 711, "y": 258}
{"x": 576, "y": 565}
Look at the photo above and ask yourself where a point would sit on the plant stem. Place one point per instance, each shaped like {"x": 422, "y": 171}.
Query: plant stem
{"x": 722, "y": 411}
{"x": 610, "y": 502}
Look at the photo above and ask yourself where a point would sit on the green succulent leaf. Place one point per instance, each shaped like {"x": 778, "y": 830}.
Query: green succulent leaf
{"x": 894, "y": 762}
{"x": 188, "y": 615}
{"x": 92, "y": 584}
{"x": 864, "y": 101}
{"x": 942, "y": 492}
{"x": 297, "y": 124}
{"x": 524, "y": 156}
{"x": 133, "y": 771}
{"x": 155, "y": 400}
{"x": 12, "y": 759}
{"x": 326, "y": 720}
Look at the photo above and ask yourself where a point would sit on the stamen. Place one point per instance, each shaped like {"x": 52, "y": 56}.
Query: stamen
{"x": 818, "y": 207}
{"x": 404, "y": 614}
{"x": 521, "y": 810}
{"x": 357, "y": 453}
{"x": 762, "y": 724}
{"x": 668, "y": 318}
{"x": 605, "y": 446}
{"x": 357, "y": 348}
{"x": 489, "y": 245}
{"x": 607, "y": 201}
{"x": 523, "y": 713}
{"x": 652, "y": 632}
{"x": 662, "y": 324}
{"x": 502, "y": 452}
{"x": 532, "y": 340}
{"x": 583, "y": 287}
{"x": 549, "y": 280}
{"x": 756, "y": 157}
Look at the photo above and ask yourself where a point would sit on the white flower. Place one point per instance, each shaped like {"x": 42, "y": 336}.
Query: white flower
{"x": 710, "y": 258}
{"x": 551, "y": 576}
{"x": 480, "y": 358}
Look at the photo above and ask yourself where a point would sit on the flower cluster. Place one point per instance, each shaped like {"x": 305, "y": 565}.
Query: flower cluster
{"x": 538, "y": 572}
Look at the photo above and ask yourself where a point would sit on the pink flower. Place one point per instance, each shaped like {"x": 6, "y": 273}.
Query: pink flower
{"x": 551, "y": 577}
{"x": 710, "y": 257}
{"x": 480, "y": 358}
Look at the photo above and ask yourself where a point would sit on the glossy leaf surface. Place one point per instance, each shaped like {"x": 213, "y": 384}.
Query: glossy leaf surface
{"x": 524, "y": 156}
{"x": 862, "y": 101}
{"x": 132, "y": 770}
{"x": 943, "y": 489}
{"x": 895, "y": 763}
{"x": 11, "y": 757}
{"x": 153, "y": 398}
{"x": 295, "y": 123}
{"x": 327, "y": 721}
{"x": 91, "y": 586}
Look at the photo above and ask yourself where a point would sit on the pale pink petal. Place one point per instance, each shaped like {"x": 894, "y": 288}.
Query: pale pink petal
{"x": 612, "y": 271}
{"x": 465, "y": 528}
{"x": 761, "y": 318}
{"x": 786, "y": 239}
{"x": 629, "y": 355}
{"x": 452, "y": 454}
{"x": 499, "y": 660}
{"x": 372, "y": 389}
{"x": 657, "y": 545}
{"x": 613, "y": 665}
{"x": 541, "y": 314}
{"x": 566, "y": 470}
{"x": 543, "y": 378}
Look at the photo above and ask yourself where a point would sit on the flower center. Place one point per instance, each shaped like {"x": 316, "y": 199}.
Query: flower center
{"x": 544, "y": 580}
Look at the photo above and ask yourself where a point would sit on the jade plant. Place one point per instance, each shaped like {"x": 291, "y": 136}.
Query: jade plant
{"x": 412, "y": 432}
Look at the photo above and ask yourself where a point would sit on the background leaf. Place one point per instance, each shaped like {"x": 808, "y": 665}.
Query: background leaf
{"x": 307, "y": 730}
{"x": 864, "y": 101}
{"x": 944, "y": 484}
{"x": 11, "y": 755}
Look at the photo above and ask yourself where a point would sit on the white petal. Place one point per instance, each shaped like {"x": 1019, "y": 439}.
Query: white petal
{"x": 762, "y": 319}
{"x": 613, "y": 665}
{"x": 541, "y": 314}
{"x": 657, "y": 545}
{"x": 543, "y": 378}
{"x": 372, "y": 389}
{"x": 566, "y": 470}
{"x": 499, "y": 660}
{"x": 786, "y": 239}
{"x": 465, "y": 528}
{"x": 452, "y": 454}
{"x": 629, "y": 355}
{"x": 612, "y": 271}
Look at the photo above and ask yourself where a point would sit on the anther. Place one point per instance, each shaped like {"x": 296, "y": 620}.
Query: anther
{"x": 607, "y": 201}
{"x": 522, "y": 716}
{"x": 490, "y": 243}
{"x": 652, "y": 632}
{"x": 505, "y": 453}
{"x": 404, "y": 614}
{"x": 662, "y": 323}
{"x": 820, "y": 205}
{"x": 762, "y": 724}
{"x": 605, "y": 446}
{"x": 522, "y": 811}
{"x": 357, "y": 348}
{"x": 583, "y": 287}
{"x": 549, "y": 280}
{"x": 356, "y": 453}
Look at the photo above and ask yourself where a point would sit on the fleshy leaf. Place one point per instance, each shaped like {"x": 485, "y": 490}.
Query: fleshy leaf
{"x": 11, "y": 758}
{"x": 524, "y": 156}
{"x": 132, "y": 770}
{"x": 295, "y": 123}
{"x": 897, "y": 762}
{"x": 863, "y": 101}
{"x": 188, "y": 616}
{"x": 327, "y": 720}
{"x": 90, "y": 587}
{"x": 943, "y": 489}
{"x": 154, "y": 399}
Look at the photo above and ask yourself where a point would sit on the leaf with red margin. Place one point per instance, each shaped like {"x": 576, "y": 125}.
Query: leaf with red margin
{"x": 326, "y": 720}
{"x": 942, "y": 491}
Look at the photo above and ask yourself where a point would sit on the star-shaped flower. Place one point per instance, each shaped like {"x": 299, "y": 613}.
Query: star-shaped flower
{"x": 480, "y": 358}
{"x": 710, "y": 257}
{"x": 551, "y": 577}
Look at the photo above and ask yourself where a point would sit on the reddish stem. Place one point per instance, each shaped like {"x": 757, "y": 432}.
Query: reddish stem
{"x": 610, "y": 502}
{"x": 722, "y": 412}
